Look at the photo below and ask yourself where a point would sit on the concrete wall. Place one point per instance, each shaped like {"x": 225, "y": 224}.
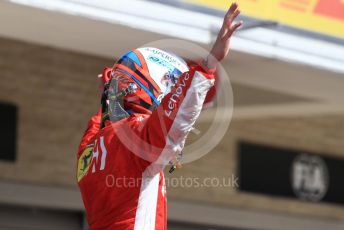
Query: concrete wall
{"x": 56, "y": 92}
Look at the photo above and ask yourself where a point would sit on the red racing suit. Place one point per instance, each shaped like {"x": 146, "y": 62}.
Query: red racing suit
{"x": 120, "y": 167}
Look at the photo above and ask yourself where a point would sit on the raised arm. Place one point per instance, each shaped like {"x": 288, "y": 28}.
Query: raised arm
{"x": 166, "y": 129}
{"x": 221, "y": 46}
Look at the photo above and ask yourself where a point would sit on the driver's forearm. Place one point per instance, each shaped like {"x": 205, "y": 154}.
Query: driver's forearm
{"x": 210, "y": 62}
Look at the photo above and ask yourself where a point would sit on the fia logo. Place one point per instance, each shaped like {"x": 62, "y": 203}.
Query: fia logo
{"x": 309, "y": 177}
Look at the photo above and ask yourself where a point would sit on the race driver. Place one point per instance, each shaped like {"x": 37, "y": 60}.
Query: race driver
{"x": 151, "y": 100}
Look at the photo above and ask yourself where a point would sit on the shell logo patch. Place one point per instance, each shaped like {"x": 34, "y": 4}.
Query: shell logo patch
{"x": 84, "y": 162}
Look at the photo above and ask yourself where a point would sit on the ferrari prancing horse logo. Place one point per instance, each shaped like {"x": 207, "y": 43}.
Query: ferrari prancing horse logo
{"x": 84, "y": 162}
{"x": 89, "y": 157}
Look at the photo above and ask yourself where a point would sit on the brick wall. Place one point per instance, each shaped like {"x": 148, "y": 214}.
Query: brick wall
{"x": 56, "y": 92}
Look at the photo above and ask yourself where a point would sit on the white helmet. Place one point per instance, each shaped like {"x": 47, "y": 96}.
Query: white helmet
{"x": 154, "y": 72}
